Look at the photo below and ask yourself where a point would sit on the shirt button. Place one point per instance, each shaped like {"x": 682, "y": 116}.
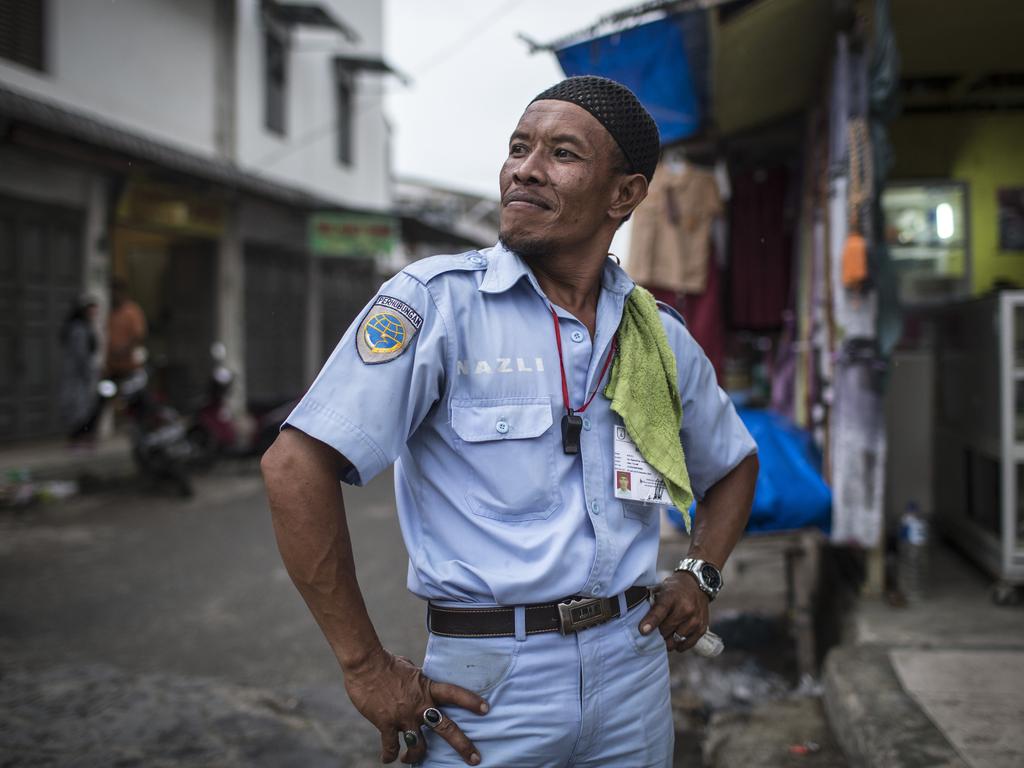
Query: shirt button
{"x": 577, "y": 336}
{"x": 596, "y": 590}
{"x": 476, "y": 260}
{"x": 595, "y": 507}
{"x": 501, "y": 426}
{"x": 586, "y": 423}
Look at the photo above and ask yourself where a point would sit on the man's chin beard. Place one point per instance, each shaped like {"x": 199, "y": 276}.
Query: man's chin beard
{"x": 526, "y": 247}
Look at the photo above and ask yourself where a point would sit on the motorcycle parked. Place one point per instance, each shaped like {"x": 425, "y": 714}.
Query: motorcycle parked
{"x": 213, "y": 431}
{"x": 217, "y": 432}
{"x": 159, "y": 440}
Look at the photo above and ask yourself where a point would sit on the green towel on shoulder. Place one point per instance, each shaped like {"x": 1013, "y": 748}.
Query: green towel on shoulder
{"x": 644, "y": 391}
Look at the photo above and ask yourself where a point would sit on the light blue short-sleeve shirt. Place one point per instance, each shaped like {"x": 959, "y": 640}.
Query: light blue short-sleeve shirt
{"x": 452, "y": 375}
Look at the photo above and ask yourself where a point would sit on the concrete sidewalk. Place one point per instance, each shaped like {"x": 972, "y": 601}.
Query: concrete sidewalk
{"x": 57, "y": 460}
{"x": 940, "y": 683}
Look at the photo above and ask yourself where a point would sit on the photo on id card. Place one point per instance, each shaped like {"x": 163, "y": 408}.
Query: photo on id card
{"x": 635, "y": 479}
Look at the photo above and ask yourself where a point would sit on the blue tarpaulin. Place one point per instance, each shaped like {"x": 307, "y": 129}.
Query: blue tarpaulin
{"x": 790, "y": 491}
{"x": 651, "y": 59}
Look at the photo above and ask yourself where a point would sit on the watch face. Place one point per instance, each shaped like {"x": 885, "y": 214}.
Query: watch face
{"x": 711, "y": 577}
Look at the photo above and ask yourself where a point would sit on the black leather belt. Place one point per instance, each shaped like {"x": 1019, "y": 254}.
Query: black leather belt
{"x": 570, "y": 615}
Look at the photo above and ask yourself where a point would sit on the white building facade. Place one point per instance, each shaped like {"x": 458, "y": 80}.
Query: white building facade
{"x": 186, "y": 147}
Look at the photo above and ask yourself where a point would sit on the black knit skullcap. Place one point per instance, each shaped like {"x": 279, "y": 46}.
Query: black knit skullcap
{"x": 619, "y": 110}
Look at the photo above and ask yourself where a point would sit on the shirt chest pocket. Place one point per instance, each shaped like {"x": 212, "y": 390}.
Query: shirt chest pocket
{"x": 509, "y": 447}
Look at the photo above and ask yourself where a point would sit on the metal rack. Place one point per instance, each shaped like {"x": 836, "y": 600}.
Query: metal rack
{"x": 979, "y": 452}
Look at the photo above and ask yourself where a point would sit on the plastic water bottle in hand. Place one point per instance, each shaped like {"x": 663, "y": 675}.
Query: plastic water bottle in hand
{"x": 709, "y": 645}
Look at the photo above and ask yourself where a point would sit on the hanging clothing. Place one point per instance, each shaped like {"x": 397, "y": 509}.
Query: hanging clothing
{"x": 704, "y": 315}
{"x": 671, "y": 240}
{"x": 784, "y": 370}
{"x": 759, "y": 265}
{"x": 706, "y": 320}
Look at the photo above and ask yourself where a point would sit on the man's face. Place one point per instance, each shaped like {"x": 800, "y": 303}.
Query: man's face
{"x": 558, "y": 180}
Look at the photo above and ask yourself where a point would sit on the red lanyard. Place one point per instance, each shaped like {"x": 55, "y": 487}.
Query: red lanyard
{"x": 561, "y": 366}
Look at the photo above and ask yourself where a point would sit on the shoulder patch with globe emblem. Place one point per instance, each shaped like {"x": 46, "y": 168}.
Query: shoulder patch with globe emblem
{"x": 387, "y": 330}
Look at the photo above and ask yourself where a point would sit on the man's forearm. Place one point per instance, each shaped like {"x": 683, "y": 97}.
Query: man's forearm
{"x": 723, "y": 513}
{"x": 312, "y": 535}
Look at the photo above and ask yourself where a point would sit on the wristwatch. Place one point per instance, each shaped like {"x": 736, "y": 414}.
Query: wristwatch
{"x": 708, "y": 577}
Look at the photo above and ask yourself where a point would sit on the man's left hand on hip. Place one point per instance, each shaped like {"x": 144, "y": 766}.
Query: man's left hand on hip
{"x": 680, "y": 610}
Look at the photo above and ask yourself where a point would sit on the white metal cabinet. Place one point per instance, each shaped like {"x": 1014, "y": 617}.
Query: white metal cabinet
{"x": 979, "y": 452}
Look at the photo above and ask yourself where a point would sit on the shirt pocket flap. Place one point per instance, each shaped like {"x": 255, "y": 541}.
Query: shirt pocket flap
{"x": 477, "y": 421}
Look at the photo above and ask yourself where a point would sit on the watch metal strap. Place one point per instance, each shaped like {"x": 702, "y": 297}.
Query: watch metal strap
{"x": 693, "y": 565}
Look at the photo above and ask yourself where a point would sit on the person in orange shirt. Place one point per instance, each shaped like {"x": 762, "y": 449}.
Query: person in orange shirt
{"x": 126, "y": 331}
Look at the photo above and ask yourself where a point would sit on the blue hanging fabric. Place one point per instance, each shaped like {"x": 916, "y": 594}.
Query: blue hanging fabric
{"x": 790, "y": 491}
{"x": 651, "y": 60}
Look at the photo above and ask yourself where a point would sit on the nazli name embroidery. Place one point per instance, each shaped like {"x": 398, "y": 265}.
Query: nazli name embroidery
{"x": 499, "y": 365}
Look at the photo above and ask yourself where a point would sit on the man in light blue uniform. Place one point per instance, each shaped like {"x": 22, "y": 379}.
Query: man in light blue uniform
{"x": 453, "y": 374}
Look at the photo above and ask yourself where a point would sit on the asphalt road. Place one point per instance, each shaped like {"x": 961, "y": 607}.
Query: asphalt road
{"x": 140, "y": 630}
{"x": 133, "y": 595}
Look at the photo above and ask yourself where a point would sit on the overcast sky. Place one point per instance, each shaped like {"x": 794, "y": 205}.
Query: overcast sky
{"x": 472, "y": 79}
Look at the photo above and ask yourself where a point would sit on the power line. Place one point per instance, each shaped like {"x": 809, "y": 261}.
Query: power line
{"x": 456, "y": 47}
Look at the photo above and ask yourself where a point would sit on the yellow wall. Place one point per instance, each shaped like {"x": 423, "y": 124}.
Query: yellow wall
{"x": 986, "y": 150}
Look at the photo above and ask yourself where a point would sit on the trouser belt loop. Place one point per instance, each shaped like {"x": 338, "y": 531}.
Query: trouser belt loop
{"x": 521, "y": 623}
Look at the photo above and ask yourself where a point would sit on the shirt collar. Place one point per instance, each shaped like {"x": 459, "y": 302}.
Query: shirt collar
{"x": 505, "y": 269}
{"x": 615, "y": 278}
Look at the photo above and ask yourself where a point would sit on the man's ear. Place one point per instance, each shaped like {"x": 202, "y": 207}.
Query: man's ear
{"x": 627, "y": 195}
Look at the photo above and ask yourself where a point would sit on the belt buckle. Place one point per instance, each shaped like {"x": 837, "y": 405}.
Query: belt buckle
{"x": 583, "y": 613}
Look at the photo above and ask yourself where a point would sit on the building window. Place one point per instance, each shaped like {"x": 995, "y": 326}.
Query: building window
{"x": 275, "y": 77}
{"x": 22, "y": 27}
{"x": 345, "y": 117}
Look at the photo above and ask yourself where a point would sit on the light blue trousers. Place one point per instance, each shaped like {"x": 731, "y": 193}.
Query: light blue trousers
{"x": 599, "y": 697}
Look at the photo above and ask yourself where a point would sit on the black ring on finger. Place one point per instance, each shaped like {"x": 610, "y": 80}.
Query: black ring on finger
{"x": 432, "y": 716}
{"x": 411, "y": 738}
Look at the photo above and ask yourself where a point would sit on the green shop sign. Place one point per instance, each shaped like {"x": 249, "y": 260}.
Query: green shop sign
{"x": 351, "y": 235}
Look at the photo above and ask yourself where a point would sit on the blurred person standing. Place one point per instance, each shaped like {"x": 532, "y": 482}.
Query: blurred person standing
{"x": 126, "y": 332}
{"x": 79, "y": 401}
{"x": 477, "y": 375}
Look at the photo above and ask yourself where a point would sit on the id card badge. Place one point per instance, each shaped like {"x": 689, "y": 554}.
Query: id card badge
{"x": 635, "y": 479}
